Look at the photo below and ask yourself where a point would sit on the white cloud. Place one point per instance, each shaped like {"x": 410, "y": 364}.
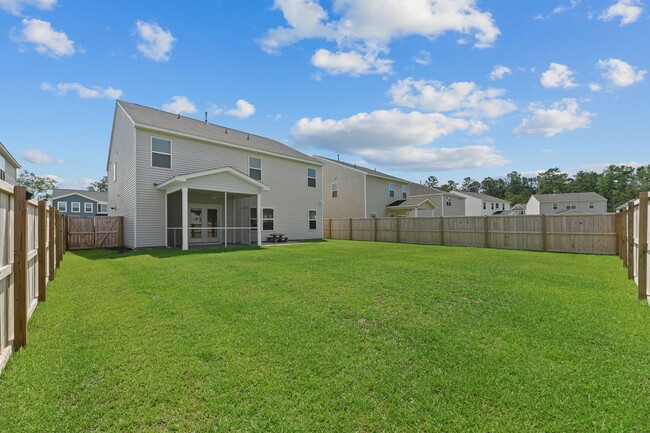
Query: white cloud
{"x": 368, "y": 26}
{"x": 595, "y": 87}
{"x": 351, "y": 62}
{"x": 566, "y": 7}
{"x": 499, "y": 72}
{"x": 558, "y": 75}
{"x": 462, "y": 98}
{"x": 47, "y": 41}
{"x": 155, "y": 43}
{"x": 423, "y": 58}
{"x": 81, "y": 183}
{"x": 562, "y": 116}
{"x": 16, "y": 7}
{"x": 83, "y": 92}
{"x": 179, "y": 105}
{"x": 627, "y": 10}
{"x": 620, "y": 73}
{"x": 39, "y": 157}
{"x": 244, "y": 110}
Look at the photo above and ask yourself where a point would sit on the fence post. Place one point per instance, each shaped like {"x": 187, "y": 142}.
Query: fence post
{"x": 57, "y": 238}
{"x": 42, "y": 249}
{"x": 617, "y": 229}
{"x": 442, "y": 230}
{"x": 544, "y": 237}
{"x": 630, "y": 240}
{"x": 350, "y": 228}
{"x": 120, "y": 232}
{"x": 398, "y": 237}
{"x": 486, "y": 233}
{"x": 20, "y": 267}
{"x": 643, "y": 245}
{"x": 52, "y": 242}
{"x": 374, "y": 229}
{"x": 624, "y": 236}
{"x": 64, "y": 238}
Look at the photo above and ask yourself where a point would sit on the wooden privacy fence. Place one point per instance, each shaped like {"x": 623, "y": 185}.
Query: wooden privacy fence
{"x": 633, "y": 238}
{"x": 31, "y": 247}
{"x": 94, "y": 232}
{"x": 589, "y": 234}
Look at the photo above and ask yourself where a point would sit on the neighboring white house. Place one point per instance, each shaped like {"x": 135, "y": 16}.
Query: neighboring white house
{"x": 181, "y": 182}
{"x": 8, "y": 166}
{"x": 352, "y": 191}
{"x": 518, "y": 209}
{"x": 572, "y": 202}
{"x": 447, "y": 203}
{"x": 478, "y": 204}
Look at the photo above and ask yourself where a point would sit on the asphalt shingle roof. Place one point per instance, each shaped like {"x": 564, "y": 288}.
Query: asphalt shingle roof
{"x": 484, "y": 197}
{"x": 97, "y": 196}
{"x": 569, "y": 196}
{"x": 146, "y": 116}
{"x": 370, "y": 171}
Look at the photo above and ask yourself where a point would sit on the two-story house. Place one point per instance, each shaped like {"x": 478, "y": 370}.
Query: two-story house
{"x": 78, "y": 202}
{"x": 447, "y": 203}
{"x": 572, "y": 202}
{"x": 353, "y": 191}
{"x": 8, "y": 166}
{"x": 478, "y": 204}
{"x": 180, "y": 182}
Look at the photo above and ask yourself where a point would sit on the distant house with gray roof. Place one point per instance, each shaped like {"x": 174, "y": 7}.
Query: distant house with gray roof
{"x": 447, "y": 203}
{"x": 479, "y": 204}
{"x": 182, "y": 182}
{"x": 8, "y": 166}
{"x": 79, "y": 202}
{"x": 573, "y": 202}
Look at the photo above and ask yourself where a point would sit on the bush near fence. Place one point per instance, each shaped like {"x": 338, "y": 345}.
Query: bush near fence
{"x": 585, "y": 233}
{"x": 633, "y": 238}
{"x": 32, "y": 244}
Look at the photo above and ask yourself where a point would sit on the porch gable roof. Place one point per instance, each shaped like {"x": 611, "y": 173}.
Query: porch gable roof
{"x": 176, "y": 181}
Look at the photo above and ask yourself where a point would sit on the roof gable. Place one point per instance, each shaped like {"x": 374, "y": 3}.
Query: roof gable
{"x": 570, "y": 196}
{"x": 90, "y": 195}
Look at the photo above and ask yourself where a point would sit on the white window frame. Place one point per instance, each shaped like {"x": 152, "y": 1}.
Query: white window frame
{"x": 335, "y": 190}
{"x": 99, "y": 208}
{"x": 61, "y": 208}
{"x": 570, "y": 205}
{"x": 492, "y": 206}
{"x": 484, "y": 206}
{"x": 448, "y": 201}
{"x": 312, "y": 177}
{"x": 592, "y": 205}
{"x": 78, "y": 203}
{"x": 555, "y": 206}
{"x": 405, "y": 191}
{"x": 254, "y": 168}
{"x": 391, "y": 189}
{"x": 160, "y": 153}
{"x": 92, "y": 207}
{"x": 310, "y": 219}
{"x": 253, "y": 217}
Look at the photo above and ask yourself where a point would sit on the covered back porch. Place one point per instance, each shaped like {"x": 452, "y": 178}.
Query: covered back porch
{"x": 219, "y": 207}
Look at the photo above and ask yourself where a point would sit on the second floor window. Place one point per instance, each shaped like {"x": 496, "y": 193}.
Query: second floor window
{"x": 554, "y": 206}
{"x": 75, "y": 207}
{"x": 255, "y": 167}
{"x": 88, "y": 208}
{"x": 391, "y": 189}
{"x": 311, "y": 177}
{"x": 161, "y": 152}
{"x": 62, "y": 206}
{"x": 591, "y": 205}
{"x": 448, "y": 203}
{"x": 335, "y": 190}
{"x": 405, "y": 192}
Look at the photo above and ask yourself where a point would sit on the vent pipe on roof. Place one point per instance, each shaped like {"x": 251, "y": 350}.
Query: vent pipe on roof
{"x": 248, "y": 136}
{"x": 338, "y": 158}
{"x": 179, "y": 115}
{"x": 226, "y": 130}
{"x": 206, "y": 117}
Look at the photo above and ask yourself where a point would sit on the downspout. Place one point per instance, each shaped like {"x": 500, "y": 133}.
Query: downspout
{"x": 365, "y": 196}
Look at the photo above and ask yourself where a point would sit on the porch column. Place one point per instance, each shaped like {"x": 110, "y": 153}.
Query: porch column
{"x": 185, "y": 224}
{"x": 259, "y": 219}
{"x": 166, "y": 223}
{"x": 225, "y": 218}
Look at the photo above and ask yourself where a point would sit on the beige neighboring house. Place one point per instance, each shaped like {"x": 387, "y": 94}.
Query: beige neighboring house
{"x": 572, "y": 202}
{"x": 353, "y": 191}
{"x": 479, "y": 204}
{"x": 447, "y": 203}
{"x": 8, "y": 166}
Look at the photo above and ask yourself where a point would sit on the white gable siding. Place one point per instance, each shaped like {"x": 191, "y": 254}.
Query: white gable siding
{"x": 10, "y": 173}
{"x": 290, "y": 197}
{"x": 349, "y": 202}
{"x": 122, "y": 193}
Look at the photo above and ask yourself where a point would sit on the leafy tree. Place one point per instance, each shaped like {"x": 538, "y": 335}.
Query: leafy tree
{"x": 494, "y": 187}
{"x": 449, "y": 186}
{"x": 617, "y": 185}
{"x": 40, "y": 186}
{"x": 470, "y": 185}
{"x": 100, "y": 185}
{"x": 584, "y": 181}
{"x": 518, "y": 188}
{"x": 553, "y": 181}
{"x": 431, "y": 182}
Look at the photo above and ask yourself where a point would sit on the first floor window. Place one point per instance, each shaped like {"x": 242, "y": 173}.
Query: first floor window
{"x": 391, "y": 189}
{"x": 268, "y": 218}
{"x": 255, "y": 167}
{"x": 102, "y": 208}
{"x": 335, "y": 190}
{"x": 62, "y": 206}
{"x": 161, "y": 152}
{"x": 311, "y": 177}
{"x": 88, "y": 208}
{"x": 75, "y": 207}
{"x": 312, "y": 220}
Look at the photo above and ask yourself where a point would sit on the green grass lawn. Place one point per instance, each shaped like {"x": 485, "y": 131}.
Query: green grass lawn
{"x": 335, "y": 336}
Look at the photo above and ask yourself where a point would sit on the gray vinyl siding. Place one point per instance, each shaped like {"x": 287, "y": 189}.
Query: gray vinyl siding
{"x": 10, "y": 173}
{"x": 122, "y": 193}
{"x": 290, "y": 197}
{"x": 457, "y": 207}
{"x": 378, "y": 196}
{"x": 546, "y": 208}
{"x": 349, "y": 202}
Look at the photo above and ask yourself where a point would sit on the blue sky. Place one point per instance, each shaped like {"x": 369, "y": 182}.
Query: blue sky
{"x": 450, "y": 88}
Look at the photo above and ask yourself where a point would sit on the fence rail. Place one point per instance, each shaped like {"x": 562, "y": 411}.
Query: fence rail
{"x": 633, "y": 238}
{"x": 31, "y": 247}
{"x": 587, "y": 234}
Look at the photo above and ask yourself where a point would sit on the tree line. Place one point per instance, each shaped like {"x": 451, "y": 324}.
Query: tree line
{"x": 617, "y": 183}
{"x": 42, "y": 186}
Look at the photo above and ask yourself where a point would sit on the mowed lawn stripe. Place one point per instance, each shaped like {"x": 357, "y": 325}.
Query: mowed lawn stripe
{"x": 333, "y": 336}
